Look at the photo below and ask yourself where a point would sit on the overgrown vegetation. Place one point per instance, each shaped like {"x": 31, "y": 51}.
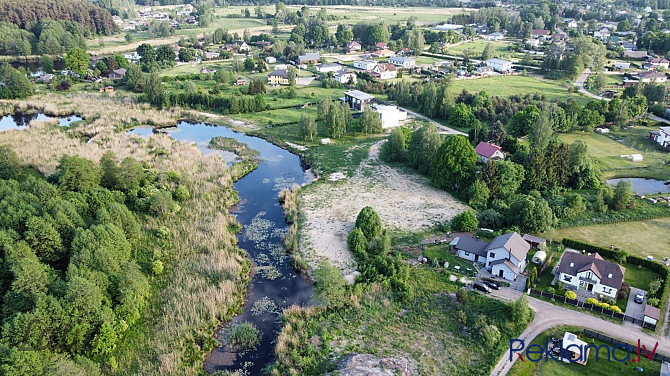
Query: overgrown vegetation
{"x": 232, "y": 145}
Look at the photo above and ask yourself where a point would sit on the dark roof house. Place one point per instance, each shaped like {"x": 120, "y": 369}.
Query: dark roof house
{"x": 609, "y": 273}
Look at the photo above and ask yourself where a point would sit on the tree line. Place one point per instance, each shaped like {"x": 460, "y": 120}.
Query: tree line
{"x": 43, "y": 37}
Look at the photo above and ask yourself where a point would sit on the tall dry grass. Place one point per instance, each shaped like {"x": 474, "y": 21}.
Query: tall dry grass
{"x": 206, "y": 274}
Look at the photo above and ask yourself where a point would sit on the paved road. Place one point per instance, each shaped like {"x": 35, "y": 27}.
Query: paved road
{"x": 659, "y": 119}
{"x": 548, "y": 315}
{"x": 443, "y": 128}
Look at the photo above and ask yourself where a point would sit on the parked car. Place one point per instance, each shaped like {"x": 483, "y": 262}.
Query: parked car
{"x": 481, "y": 287}
{"x": 491, "y": 284}
{"x": 639, "y": 297}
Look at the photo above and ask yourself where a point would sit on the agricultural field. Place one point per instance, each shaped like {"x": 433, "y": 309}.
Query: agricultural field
{"x": 592, "y": 368}
{"x": 626, "y": 235}
{"x": 607, "y": 151}
{"x": 505, "y": 86}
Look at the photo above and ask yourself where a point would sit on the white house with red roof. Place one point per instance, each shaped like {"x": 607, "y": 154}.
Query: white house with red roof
{"x": 381, "y": 45}
{"x": 487, "y": 151}
{"x": 384, "y": 71}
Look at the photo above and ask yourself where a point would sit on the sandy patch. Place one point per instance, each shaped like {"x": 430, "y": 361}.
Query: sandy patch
{"x": 404, "y": 201}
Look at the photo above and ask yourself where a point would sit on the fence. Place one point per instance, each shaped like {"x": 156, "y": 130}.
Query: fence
{"x": 594, "y": 308}
{"x": 605, "y": 338}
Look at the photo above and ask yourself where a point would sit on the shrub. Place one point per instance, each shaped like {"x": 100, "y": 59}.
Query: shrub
{"x": 551, "y": 290}
{"x": 157, "y": 267}
{"x": 654, "y": 302}
{"x": 462, "y": 295}
{"x": 330, "y": 287}
{"x": 609, "y": 301}
{"x": 571, "y": 295}
{"x": 245, "y": 336}
{"x": 465, "y": 221}
{"x": 369, "y": 222}
{"x": 592, "y": 301}
{"x": 615, "y": 309}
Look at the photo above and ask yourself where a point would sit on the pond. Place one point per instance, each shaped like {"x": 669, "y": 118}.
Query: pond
{"x": 644, "y": 186}
{"x": 20, "y": 121}
{"x": 274, "y": 285}
{"x": 34, "y": 66}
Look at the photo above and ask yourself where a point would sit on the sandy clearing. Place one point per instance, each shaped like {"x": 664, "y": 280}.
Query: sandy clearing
{"x": 404, "y": 201}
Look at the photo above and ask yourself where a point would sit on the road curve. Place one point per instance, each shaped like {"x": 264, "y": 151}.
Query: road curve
{"x": 548, "y": 316}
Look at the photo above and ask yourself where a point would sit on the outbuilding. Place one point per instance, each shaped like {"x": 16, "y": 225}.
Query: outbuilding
{"x": 651, "y": 314}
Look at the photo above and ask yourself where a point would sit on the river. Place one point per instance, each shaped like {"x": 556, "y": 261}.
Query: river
{"x": 274, "y": 285}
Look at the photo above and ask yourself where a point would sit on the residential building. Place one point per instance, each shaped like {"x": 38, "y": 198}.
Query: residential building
{"x": 656, "y": 63}
{"x": 365, "y": 64}
{"x": 506, "y": 256}
{"x": 357, "y": 100}
{"x": 494, "y": 36}
{"x": 447, "y": 27}
{"x": 381, "y": 45}
{"x": 212, "y": 55}
{"x": 662, "y": 137}
{"x": 653, "y": 76}
{"x": 116, "y": 74}
{"x": 206, "y": 70}
{"x": 485, "y": 71}
{"x": 539, "y": 33}
{"x": 405, "y": 52}
{"x": 570, "y": 22}
{"x": 403, "y": 61}
{"x": 346, "y": 77}
{"x": 486, "y": 152}
{"x": 383, "y": 53}
{"x": 242, "y": 46}
{"x": 390, "y": 115}
{"x": 590, "y": 272}
{"x": 621, "y": 65}
{"x": 628, "y": 46}
{"x": 469, "y": 248}
{"x": 328, "y": 67}
{"x": 385, "y": 71}
{"x": 45, "y": 78}
{"x": 635, "y": 54}
{"x": 240, "y": 82}
{"x": 270, "y": 59}
{"x": 499, "y": 65}
{"x": 353, "y": 46}
{"x": 533, "y": 43}
{"x": 278, "y": 77}
{"x": 309, "y": 58}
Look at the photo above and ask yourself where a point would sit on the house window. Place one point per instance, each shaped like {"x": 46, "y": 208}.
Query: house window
{"x": 567, "y": 278}
{"x": 467, "y": 253}
{"x": 492, "y": 255}
{"x": 607, "y": 290}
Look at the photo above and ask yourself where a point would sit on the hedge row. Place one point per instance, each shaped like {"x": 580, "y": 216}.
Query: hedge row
{"x": 631, "y": 259}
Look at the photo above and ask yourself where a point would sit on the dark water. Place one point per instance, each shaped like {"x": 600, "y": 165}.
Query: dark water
{"x": 274, "y": 285}
{"x": 644, "y": 186}
{"x": 34, "y": 66}
{"x": 21, "y": 120}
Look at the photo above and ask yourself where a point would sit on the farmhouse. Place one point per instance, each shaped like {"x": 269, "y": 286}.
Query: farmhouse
{"x": 506, "y": 256}
{"x": 357, "y": 100}
{"x": 591, "y": 273}
{"x": 469, "y": 248}
{"x": 345, "y": 76}
{"x": 499, "y": 65}
{"x": 662, "y": 137}
{"x": 487, "y": 152}
{"x": 653, "y": 76}
{"x": 385, "y": 71}
{"x": 365, "y": 64}
{"x": 402, "y": 62}
{"x": 278, "y": 77}
{"x": 328, "y": 67}
{"x": 310, "y": 58}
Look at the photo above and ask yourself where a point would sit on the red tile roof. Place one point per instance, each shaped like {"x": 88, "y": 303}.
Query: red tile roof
{"x": 487, "y": 150}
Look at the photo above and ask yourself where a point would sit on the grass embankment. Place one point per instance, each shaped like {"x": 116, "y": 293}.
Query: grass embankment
{"x": 592, "y": 368}
{"x": 426, "y": 329}
{"x": 205, "y": 274}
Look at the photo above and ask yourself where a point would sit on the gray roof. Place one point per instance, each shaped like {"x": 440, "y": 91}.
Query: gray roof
{"x": 513, "y": 243}
{"x": 507, "y": 263}
{"x": 310, "y": 56}
{"x": 280, "y": 72}
{"x": 359, "y": 95}
{"x": 327, "y": 65}
{"x": 534, "y": 239}
{"x": 470, "y": 244}
{"x": 574, "y": 262}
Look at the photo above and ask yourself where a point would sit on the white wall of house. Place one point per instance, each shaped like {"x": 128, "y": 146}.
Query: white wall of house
{"x": 347, "y": 78}
{"x": 506, "y": 272}
{"x": 365, "y": 65}
{"x": 466, "y": 255}
{"x": 650, "y": 320}
{"x": 578, "y": 282}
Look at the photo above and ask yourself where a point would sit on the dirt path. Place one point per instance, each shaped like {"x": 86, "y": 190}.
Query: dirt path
{"x": 548, "y": 316}
{"x": 404, "y": 200}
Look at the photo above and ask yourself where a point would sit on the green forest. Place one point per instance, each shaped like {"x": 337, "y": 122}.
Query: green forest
{"x": 75, "y": 266}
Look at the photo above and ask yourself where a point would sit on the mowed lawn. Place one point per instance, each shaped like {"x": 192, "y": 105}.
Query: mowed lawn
{"x": 641, "y": 238}
{"x": 608, "y": 153}
{"x": 477, "y": 47}
{"x": 505, "y": 86}
{"x": 592, "y": 368}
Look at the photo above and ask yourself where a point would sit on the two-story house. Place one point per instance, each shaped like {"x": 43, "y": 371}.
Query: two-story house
{"x": 506, "y": 256}
{"x": 591, "y": 272}
{"x": 278, "y": 77}
{"x": 385, "y": 71}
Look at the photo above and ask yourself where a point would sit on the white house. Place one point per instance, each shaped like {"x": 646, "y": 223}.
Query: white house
{"x": 499, "y": 65}
{"x": 385, "y": 71}
{"x": 402, "y": 61}
{"x": 506, "y": 256}
{"x": 345, "y": 76}
{"x": 469, "y": 248}
{"x": 533, "y": 43}
{"x": 367, "y": 65}
{"x": 328, "y": 67}
{"x": 486, "y": 151}
{"x": 390, "y": 115}
{"x": 653, "y": 76}
{"x": 621, "y": 65}
{"x": 662, "y": 136}
{"x": 590, "y": 272}
{"x": 270, "y": 59}
{"x": 494, "y": 36}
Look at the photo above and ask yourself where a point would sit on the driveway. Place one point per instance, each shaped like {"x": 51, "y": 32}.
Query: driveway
{"x": 444, "y": 129}
{"x": 548, "y": 316}
{"x": 634, "y": 309}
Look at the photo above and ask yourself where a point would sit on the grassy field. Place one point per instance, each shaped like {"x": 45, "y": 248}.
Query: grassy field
{"x": 607, "y": 153}
{"x": 476, "y": 48}
{"x": 641, "y": 238}
{"x": 515, "y": 85}
{"x": 441, "y": 252}
{"x": 592, "y": 368}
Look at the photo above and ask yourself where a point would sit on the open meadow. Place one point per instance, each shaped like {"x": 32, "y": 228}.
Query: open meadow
{"x": 505, "y": 86}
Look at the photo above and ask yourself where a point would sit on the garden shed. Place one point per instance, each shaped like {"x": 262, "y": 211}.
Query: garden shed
{"x": 539, "y": 257}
